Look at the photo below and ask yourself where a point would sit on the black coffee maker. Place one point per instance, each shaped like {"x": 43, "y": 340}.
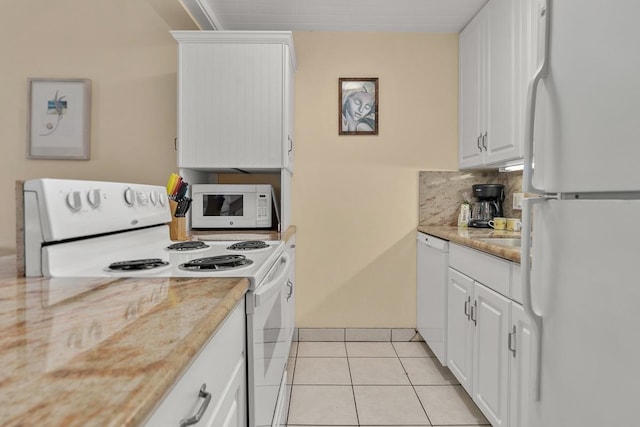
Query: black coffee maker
{"x": 489, "y": 205}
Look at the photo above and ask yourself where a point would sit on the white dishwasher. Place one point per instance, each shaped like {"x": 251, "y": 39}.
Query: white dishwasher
{"x": 431, "y": 276}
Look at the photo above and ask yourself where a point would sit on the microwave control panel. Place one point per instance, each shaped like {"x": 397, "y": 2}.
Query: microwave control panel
{"x": 264, "y": 209}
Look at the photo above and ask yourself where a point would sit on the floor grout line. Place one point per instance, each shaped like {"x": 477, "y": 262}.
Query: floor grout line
{"x": 353, "y": 389}
{"x": 352, "y": 385}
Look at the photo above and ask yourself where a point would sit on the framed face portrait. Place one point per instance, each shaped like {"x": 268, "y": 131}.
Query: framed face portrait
{"x": 358, "y": 106}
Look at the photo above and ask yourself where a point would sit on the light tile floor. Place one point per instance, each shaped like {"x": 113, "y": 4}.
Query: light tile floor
{"x": 375, "y": 384}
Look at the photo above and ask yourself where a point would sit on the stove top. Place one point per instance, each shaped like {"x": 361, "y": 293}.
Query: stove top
{"x": 148, "y": 252}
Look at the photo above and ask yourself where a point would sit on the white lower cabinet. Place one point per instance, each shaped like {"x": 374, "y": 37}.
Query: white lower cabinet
{"x": 520, "y": 366}
{"x": 460, "y": 328}
{"x": 488, "y": 336}
{"x": 490, "y": 354}
{"x": 477, "y": 344}
{"x": 213, "y": 388}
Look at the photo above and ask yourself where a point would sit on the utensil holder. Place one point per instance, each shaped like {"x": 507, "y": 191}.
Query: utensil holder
{"x": 178, "y": 225}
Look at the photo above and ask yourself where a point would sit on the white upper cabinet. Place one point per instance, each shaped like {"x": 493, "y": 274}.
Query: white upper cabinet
{"x": 494, "y": 69}
{"x": 471, "y": 124}
{"x": 235, "y": 100}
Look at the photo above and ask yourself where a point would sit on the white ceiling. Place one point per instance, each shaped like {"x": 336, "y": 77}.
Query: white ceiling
{"x": 334, "y": 15}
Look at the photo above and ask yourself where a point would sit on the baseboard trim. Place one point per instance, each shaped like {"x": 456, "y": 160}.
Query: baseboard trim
{"x": 356, "y": 334}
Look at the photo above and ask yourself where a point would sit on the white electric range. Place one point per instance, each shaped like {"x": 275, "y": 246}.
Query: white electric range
{"x": 90, "y": 230}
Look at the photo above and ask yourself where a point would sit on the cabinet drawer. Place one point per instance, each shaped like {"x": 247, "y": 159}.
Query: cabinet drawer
{"x": 489, "y": 270}
{"x": 214, "y": 366}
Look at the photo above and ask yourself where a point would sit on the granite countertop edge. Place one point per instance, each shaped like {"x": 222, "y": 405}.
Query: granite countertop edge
{"x": 191, "y": 346}
{"x": 469, "y": 237}
{"x": 120, "y": 380}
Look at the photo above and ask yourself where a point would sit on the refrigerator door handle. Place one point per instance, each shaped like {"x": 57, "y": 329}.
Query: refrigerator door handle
{"x": 530, "y": 108}
{"x": 527, "y": 304}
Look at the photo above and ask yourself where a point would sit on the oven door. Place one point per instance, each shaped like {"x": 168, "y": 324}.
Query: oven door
{"x": 268, "y": 342}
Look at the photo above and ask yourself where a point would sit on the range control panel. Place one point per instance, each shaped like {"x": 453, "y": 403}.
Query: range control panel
{"x": 70, "y": 208}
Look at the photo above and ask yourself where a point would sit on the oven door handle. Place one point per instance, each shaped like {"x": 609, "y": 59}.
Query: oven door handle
{"x": 266, "y": 290}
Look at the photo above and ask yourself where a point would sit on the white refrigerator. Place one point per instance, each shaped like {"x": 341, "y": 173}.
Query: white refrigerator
{"x": 582, "y": 157}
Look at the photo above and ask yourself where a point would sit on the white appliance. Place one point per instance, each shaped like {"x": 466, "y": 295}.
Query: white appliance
{"x": 92, "y": 230}
{"x": 431, "y": 310}
{"x": 231, "y": 206}
{"x": 581, "y": 288}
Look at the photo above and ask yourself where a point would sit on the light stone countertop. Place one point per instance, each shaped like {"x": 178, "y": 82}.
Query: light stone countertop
{"x": 468, "y": 236}
{"x": 107, "y": 356}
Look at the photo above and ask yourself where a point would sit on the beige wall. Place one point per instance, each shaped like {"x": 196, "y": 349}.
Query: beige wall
{"x": 355, "y": 198}
{"x": 125, "y": 48}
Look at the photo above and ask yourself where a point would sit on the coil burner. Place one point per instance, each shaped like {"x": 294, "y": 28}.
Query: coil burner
{"x": 138, "y": 264}
{"x": 222, "y": 262}
{"x": 249, "y": 245}
{"x": 188, "y": 246}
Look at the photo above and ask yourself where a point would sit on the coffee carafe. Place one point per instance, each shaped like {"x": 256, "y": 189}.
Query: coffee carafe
{"x": 488, "y": 205}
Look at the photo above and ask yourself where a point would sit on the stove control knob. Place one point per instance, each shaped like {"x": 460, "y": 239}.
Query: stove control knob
{"x": 129, "y": 196}
{"x": 93, "y": 198}
{"x": 153, "y": 196}
{"x": 142, "y": 197}
{"x": 162, "y": 199}
{"x": 74, "y": 202}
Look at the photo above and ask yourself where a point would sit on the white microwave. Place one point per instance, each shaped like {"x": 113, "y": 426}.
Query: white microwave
{"x": 231, "y": 206}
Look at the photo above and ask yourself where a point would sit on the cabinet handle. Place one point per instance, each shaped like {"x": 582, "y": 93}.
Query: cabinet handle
{"x": 466, "y": 308}
{"x": 474, "y": 312}
{"x": 512, "y": 341}
{"x": 484, "y": 141}
{"x": 478, "y": 142}
{"x": 290, "y": 144}
{"x": 290, "y": 285}
{"x": 203, "y": 408}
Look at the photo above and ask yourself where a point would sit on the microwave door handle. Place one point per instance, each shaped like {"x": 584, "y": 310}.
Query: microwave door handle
{"x": 266, "y": 290}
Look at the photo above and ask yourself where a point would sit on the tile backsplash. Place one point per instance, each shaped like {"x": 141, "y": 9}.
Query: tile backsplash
{"x": 442, "y": 192}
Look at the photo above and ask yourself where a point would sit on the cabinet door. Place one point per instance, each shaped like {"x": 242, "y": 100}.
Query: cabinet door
{"x": 230, "y": 105}
{"x": 230, "y": 409}
{"x": 490, "y": 354}
{"x": 221, "y": 368}
{"x": 289, "y": 113}
{"x": 520, "y": 365}
{"x": 503, "y": 83}
{"x": 459, "y": 327}
{"x": 470, "y": 151}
